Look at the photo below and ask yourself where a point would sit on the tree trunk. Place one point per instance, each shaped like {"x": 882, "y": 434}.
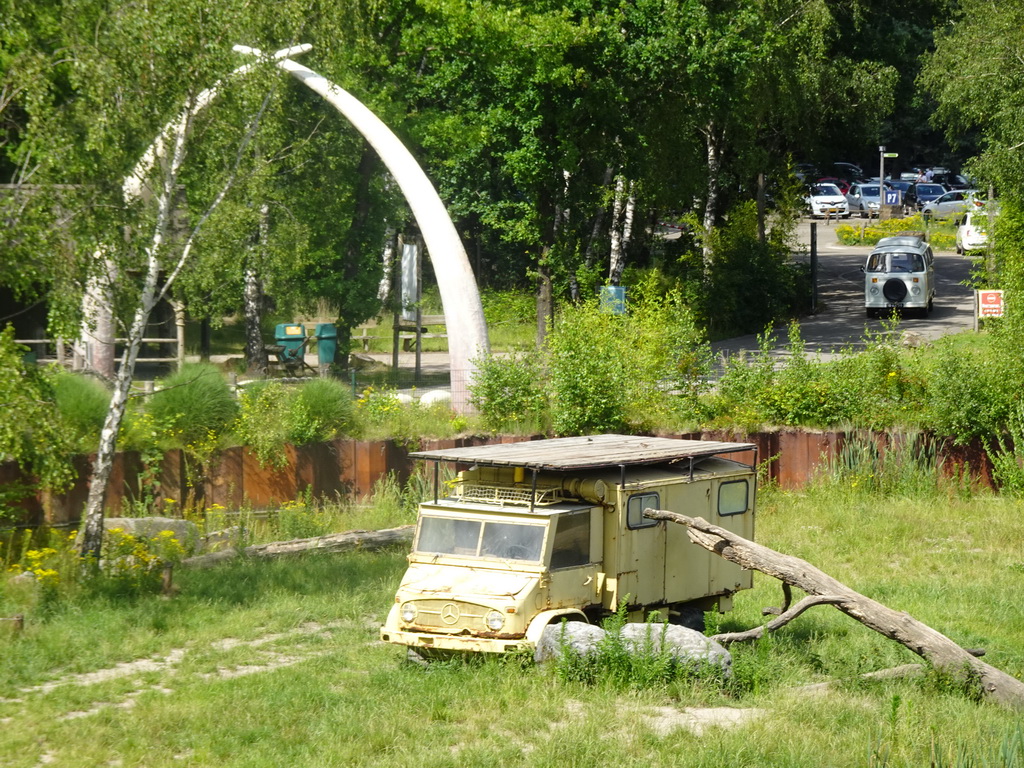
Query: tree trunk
{"x": 257, "y": 362}
{"x": 92, "y": 537}
{"x": 615, "y": 257}
{"x": 95, "y": 351}
{"x": 936, "y": 648}
{"x": 615, "y": 277}
{"x": 336, "y": 542}
{"x": 256, "y": 359}
{"x": 761, "y": 208}
{"x": 387, "y": 259}
{"x": 714, "y": 158}
{"x": 545, "y": 300}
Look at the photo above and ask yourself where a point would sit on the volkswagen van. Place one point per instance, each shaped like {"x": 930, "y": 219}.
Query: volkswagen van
{"x": 899, "y": 275}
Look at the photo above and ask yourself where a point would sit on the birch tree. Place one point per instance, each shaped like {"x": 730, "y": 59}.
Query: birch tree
{"x": 126, "y": 78}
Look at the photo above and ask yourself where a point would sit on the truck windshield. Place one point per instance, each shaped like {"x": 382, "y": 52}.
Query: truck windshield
{"x": 475, "y": 538}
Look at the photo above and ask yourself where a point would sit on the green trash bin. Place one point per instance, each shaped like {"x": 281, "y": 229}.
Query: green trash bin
{"x": 291, "y": 337}
{"x": 326, "y": 342}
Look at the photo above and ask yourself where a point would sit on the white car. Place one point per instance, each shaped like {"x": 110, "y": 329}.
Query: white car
{"x": 952, "y": 204}
{"x": 971, "y": 235}
{"x": 864, "y": 199}
{"x": 899, "y": 275}
{"x": 826, "y": 201}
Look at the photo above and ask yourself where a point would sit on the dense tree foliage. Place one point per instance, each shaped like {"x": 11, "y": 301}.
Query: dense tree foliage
{"x": 540, "y": 122}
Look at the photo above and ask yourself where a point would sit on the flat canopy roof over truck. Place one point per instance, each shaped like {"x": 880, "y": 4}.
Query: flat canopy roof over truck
{"x": 587, "y": 452}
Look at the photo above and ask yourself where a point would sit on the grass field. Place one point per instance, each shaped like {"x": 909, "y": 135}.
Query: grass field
{"x": 278, "y": 664}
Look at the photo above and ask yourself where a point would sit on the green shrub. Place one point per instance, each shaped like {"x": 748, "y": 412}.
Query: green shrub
{"x": 968, "y": 397}
{"x": 877, "y": 388}
{"x": 83, "y": 402}
{"x": 30, "y": 431}
{"x": 630, "y": 372}
{"x": 192, "y": 404}
{"x": 750, "y": 282}
{"x": 319, "y": 410}
{"x": 508, "y": 391}
{"x": 262, "y": 421}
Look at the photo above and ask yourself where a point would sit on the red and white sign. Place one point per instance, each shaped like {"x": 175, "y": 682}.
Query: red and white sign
{"x": 990, "y": 303}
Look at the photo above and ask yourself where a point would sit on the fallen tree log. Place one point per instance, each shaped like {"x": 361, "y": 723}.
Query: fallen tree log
{"x": 335, "y": 542}
{"x": 941, "y": 652}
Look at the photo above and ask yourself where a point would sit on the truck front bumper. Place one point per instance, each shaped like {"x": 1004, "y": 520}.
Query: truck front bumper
{"x": 442, "y": 642}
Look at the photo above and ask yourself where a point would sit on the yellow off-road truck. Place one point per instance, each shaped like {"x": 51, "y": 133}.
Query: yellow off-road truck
{"x": 535, "y": 532}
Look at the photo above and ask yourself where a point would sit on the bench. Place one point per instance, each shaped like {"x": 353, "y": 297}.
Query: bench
{"x": 407, "y": 330}
{"x": 367, "y": 332}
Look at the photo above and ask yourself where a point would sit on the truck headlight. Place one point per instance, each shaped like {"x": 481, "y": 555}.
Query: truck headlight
{"x": 915, "y": 290}
{"x": 874, "y": 291}
{"x": 494, "y": 620}
{"x": 408, "y": 613}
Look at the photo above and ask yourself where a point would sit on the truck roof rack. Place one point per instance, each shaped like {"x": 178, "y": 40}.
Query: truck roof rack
{"x": 588, "y": 452}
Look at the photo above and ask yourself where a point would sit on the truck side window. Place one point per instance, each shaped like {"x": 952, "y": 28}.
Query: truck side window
{"x": 635, "y": 510}
{"x": 732, "y": 498}
{"x": 572, "y": 541}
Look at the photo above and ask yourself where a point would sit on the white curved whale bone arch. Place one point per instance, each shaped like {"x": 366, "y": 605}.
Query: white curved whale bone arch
{"x": 460, "y": 297}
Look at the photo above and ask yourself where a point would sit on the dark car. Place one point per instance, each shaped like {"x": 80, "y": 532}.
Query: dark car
{"x": 919, "y": 194}
{"x": 901, "y": 185}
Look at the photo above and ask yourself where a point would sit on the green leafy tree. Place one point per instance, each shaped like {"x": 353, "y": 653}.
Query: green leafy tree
{"x": 32, "y": 433}
{"x": 131, "y": 86}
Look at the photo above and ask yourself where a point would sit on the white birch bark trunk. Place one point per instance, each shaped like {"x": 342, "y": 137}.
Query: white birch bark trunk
{"x": 615, "y": 258}
{"x": 627, "y": 236}
{"x": 92, "y": 539}
{"x": 714, "y": 162}
{"x": 252, "y": 302}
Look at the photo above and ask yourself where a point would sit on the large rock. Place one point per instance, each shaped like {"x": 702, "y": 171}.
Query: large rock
{"x": 580, "y": 637}
{"x": 685, "y": 645}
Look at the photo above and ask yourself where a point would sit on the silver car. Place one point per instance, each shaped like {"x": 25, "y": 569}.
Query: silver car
{"x": 864, "y": 199}
{"x": 952, "y": 204}
{"x": 899, "y": 275}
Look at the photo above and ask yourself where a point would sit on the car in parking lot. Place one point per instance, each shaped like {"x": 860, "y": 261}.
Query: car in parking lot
{"x": 952, "y": 204}
{"x": 864, "y": 199}
{"x": 825, "y": 200}
{"x": 848, "y": 171}
{"x": 920, "y": 194}
{"x": 972, "y": 232}
{"x": 843, "y": 184}
{"x": 899, "y": 275}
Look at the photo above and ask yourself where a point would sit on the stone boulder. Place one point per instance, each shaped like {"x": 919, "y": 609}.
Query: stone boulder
{"x": 685, "y": 645}
{"x": 582, "y": 638}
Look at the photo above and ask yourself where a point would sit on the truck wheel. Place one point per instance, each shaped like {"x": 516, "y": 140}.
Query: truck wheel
{"x": 687, "y": 615}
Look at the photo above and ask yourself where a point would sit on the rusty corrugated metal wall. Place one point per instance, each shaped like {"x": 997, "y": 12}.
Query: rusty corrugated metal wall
{"x": 350, "y": 468}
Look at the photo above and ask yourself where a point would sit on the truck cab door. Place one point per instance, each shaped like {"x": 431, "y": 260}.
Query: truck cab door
{"x": 645, "y": 539}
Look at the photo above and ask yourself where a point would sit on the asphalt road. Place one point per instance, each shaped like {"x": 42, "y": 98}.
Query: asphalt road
{"x": 840, "y": 321}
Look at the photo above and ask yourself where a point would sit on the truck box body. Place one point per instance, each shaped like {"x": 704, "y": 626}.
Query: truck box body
{"x": 533, "y": 533}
